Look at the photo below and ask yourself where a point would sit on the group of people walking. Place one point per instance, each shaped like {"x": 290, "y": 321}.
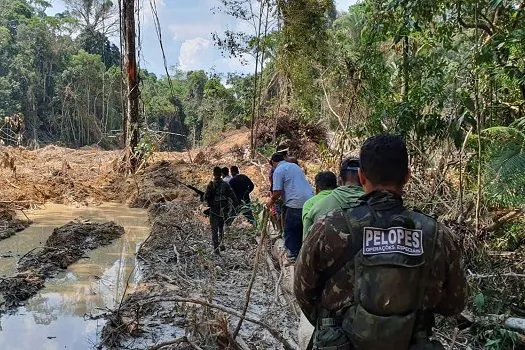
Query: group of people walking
{"x": 292, "y": 197}
{"x": 370, "y": 274}
{"x": 227, "y": 196}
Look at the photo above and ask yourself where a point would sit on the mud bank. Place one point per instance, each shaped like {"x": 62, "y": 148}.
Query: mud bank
{"x": 66, "y": 245}
{"x": 190, "y": 296}
{"x": 9, "y": 224}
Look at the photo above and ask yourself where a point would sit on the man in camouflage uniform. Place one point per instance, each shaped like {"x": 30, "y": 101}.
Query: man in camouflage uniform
{"x": 220, "y": 198}
{"x": 372, "y": 276}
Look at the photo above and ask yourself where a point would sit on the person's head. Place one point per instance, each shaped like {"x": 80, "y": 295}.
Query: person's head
{"x": 325, "y": 180}
{"x": 217, "y": 172}
{"x": 234, "y": 170}
{"x": 225, "y": 171}
{"x": 276, "y": 159}
{"x": 384, "y": 163}
{"x": 348, "y": 173}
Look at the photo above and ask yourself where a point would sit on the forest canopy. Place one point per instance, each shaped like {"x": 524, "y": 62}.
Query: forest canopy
{"x": 62, "y": 76}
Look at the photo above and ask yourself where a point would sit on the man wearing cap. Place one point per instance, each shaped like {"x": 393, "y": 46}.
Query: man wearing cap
{"x": 290, "y": 184}
{"x": 339, "y": 198}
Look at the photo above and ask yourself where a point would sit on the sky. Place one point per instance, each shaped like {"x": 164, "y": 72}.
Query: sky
{"x": 187, "y": 27}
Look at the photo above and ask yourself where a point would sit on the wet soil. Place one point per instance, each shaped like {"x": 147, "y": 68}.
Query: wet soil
{"x": 177, "y": 261}
{"x": 66, "y": 313}
{"x": 66, "y": 245}
{"x": 9, "y": 223}
{"x": 158, "y": 183}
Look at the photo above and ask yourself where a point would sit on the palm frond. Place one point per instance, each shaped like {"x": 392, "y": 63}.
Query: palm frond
{"x": 504, "y": 166}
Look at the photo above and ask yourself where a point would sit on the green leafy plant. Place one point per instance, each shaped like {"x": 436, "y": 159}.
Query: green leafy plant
{"x": 504, "y": 165}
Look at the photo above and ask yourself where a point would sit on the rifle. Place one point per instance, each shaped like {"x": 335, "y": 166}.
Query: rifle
{"x": 195, "y": 189}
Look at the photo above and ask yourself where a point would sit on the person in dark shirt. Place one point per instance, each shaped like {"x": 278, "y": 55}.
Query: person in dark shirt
{"x": 220, "y": 198}
{"x": 242, "y": 187}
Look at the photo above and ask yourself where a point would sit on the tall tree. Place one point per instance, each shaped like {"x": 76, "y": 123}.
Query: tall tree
{"x": 98, "y": 15}
{"x": 94, "y": 42}
{"x": 130, "y": 63}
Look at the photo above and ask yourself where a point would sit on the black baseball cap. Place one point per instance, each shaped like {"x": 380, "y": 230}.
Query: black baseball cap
{"x": 277, "y": 157}
{"x": 350, "y": 164}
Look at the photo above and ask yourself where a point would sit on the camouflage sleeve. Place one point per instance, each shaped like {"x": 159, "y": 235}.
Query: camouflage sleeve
{"x": 323, "y": 246}
{"x": 455, "y": 287}
{"x": 209, "y": 192}
{"x": 306, "y": 277}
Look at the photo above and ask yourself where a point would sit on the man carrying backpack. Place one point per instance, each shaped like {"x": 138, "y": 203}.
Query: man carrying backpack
{"x": 373, "y": 275}
{"x": 220, "y": 197}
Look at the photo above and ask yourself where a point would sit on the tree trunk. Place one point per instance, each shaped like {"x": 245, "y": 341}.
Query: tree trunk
{"x": 406, "y": 71}
{"x": 132, "y": 85}
{"x": 254, "y": 106}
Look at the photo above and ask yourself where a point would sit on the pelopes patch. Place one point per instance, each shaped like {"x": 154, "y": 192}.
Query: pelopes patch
{"x": 392, "y": 240}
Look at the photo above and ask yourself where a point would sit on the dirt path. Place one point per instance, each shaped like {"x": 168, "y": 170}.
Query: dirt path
{"x": 178, "y": 264}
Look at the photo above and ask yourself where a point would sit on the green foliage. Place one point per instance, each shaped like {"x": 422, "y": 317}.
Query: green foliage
{"x": 146, "y": 146}
{"x": 69, "y": 87}
{"x": 503, "y": 164}
{"x": 510, "y": 236}
{"x": 303, "y": 45}
{"x": 97, "y": 43}
{"x": 499, "y": 338}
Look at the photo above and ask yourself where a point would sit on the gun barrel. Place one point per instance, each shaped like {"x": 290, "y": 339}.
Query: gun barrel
{"x": 194, "y": 189}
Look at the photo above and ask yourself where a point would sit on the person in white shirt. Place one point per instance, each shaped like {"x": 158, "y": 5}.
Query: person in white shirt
{"x": 290, "y": 184}
{"x": 226, "y": 174}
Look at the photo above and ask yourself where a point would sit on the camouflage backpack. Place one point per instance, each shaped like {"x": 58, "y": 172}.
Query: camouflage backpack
{"x": 390, "y": 274}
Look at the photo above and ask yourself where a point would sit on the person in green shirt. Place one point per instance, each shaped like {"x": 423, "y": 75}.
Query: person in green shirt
{"x": 348, "y": 193}
{"x": 325, "y": 183}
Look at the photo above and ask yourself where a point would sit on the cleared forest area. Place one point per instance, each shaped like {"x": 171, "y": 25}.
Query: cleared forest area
{"x": 83, "y": 123}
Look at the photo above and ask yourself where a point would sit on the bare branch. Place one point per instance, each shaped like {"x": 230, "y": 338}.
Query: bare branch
{"x": 339, "y": 118}
{"x": 169, "y": 342}
{"x": 482, "y": 26}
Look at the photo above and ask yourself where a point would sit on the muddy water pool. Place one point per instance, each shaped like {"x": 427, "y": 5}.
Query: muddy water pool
{"x": 58, "y": 316}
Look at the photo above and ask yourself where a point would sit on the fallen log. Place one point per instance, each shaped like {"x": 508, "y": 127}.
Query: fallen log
{"x": 515, "y": 324}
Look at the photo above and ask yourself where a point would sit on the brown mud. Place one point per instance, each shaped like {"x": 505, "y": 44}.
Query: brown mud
{"x": 66, "y": 245}
{"x": 10, "y": 224}
{"x": 177, "y": 263}
{"x": 88, "y": 176}
{"x": 159, "y": 182}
